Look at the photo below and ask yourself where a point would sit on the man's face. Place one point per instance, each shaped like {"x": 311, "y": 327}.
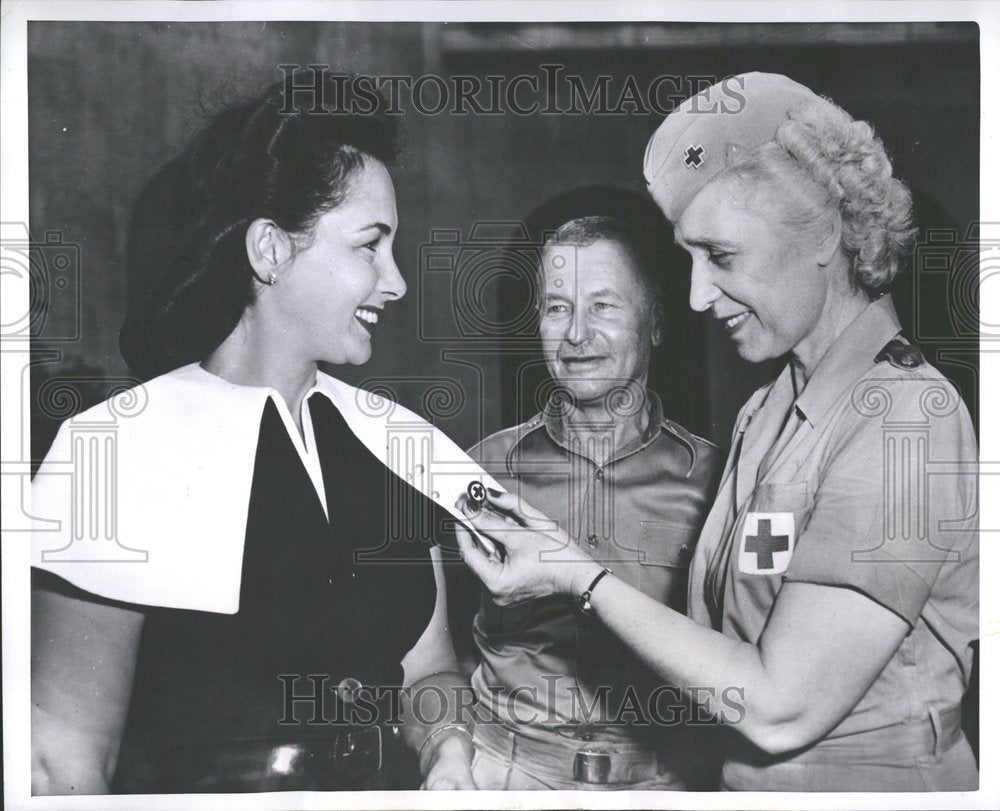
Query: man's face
{"x": 597, "y": 321}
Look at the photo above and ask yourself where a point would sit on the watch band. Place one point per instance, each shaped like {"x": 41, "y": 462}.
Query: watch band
{"x": 583, "y": 606}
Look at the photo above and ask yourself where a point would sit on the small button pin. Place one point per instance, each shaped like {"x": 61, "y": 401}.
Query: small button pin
{"x": 476, "y": 493}
{"x": 348, "y": 689}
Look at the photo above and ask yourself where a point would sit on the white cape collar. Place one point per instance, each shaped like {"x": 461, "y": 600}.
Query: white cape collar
{"x": 144, "y": 497}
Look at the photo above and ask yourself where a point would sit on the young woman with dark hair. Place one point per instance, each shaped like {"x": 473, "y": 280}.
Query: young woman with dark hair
{"x": 249, "y": 617}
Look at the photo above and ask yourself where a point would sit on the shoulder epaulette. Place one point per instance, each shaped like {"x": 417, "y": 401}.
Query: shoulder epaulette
{"x": 521, "y": 428}
{"x": 901, "y": 354}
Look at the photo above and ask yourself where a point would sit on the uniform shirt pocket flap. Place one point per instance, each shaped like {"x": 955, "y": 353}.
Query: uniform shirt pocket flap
{"x": 667, "y": 544}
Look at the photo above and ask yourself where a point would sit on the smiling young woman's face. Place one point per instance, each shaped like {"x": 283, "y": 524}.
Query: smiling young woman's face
{"x": 758, "y": 278}
{"x": 333, "y": 292}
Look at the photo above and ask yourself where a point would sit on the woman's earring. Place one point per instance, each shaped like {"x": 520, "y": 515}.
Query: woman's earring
{"x": 270, "y": 281}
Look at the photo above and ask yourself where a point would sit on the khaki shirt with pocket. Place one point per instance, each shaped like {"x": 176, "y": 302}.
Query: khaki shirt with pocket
{"x": 868, "y": 481}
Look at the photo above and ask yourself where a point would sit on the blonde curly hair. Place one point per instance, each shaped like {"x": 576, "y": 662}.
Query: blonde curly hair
{"x": 848, "y": 162}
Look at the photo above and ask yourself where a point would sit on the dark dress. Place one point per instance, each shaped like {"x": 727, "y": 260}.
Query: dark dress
{"x": 320, "y": 602}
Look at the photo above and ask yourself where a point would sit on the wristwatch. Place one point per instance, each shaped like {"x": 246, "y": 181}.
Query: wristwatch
{"x": 583, "y": 606}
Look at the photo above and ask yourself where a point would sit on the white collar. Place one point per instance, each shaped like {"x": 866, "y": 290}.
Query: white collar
{"x": 143, "y": 498}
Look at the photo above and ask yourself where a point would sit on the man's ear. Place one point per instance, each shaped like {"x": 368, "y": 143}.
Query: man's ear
{"x": 656, "y": 333}
{"x": 268, "y": 249}
{"x": 829, "y": 244}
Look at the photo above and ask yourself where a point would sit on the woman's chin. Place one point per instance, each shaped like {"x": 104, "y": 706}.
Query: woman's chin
{"x": 755, "y": 351}
{"x": 360, "y": 356}
{"x": 748, "y": 354}
{"x": 352, "y": 356}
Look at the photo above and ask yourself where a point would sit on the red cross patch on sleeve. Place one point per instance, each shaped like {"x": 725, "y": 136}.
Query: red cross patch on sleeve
{"x": 767, "y": 542}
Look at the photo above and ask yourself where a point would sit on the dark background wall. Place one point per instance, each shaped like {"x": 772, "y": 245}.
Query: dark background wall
{"x": 110, "y": 103}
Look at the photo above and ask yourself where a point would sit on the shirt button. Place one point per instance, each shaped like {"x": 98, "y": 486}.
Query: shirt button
{"x": 592, "y": 540}
{"x": 600, "y": 474}
{"x": 685, "y": 552}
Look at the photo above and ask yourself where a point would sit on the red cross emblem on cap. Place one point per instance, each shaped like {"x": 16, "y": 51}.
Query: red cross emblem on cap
{"x": 693, "y": 156}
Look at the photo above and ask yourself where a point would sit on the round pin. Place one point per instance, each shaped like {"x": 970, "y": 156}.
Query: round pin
{"x": 348, "y": 689}
{"x": 476, "y": 493}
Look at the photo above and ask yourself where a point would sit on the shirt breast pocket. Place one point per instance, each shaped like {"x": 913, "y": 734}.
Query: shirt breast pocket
{"x": 774, "y": 523}
{"x": 663, "y": 557}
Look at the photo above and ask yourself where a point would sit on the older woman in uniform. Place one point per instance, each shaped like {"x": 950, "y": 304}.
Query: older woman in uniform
{"x": 834, "y": 589}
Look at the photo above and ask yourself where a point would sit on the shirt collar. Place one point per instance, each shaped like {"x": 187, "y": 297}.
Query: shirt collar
{"x": 553, "y": 418}
{"x": 850, "y": 356}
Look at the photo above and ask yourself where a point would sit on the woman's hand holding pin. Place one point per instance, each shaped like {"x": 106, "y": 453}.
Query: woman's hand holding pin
{"x": 540, "y": 558}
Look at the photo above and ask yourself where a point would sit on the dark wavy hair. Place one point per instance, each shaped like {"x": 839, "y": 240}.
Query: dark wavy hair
{"x": 274, "y": 156}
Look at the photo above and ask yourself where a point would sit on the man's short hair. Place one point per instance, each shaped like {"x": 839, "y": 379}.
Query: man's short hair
{"x": 585, "y": 231}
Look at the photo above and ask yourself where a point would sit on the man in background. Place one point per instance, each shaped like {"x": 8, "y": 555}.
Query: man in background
{"x": 561, "y": 704}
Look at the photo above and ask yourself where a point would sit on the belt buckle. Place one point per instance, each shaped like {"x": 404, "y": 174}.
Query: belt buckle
{"x": 592, "y": 766}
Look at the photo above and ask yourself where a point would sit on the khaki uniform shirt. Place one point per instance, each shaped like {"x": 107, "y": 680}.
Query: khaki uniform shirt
{"x": 640, "y": 515}
{"x": 868, "y": 481}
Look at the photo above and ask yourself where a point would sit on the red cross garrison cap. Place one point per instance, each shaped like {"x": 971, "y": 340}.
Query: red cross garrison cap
{"x": 690, "y": 147}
